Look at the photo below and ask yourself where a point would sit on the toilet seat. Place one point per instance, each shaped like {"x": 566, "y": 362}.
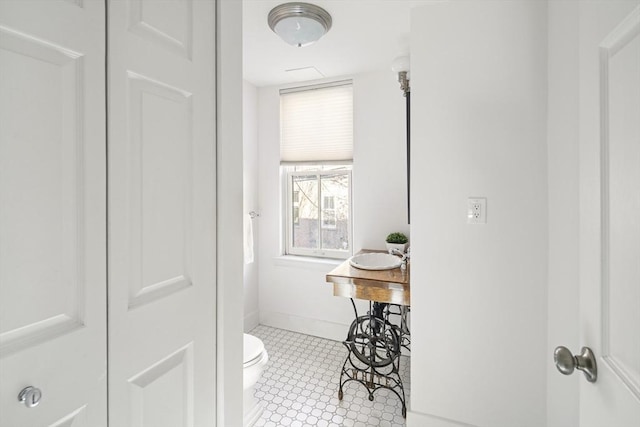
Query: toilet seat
{"x": 253, "y": 351}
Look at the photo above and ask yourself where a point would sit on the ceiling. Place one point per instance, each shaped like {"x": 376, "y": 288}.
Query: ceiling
{"x": 366, "y": 35}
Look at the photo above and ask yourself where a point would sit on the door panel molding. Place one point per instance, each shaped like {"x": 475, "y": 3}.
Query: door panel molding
{"x": 178, "y": 41}
{"x": 37, "y": 333}
{"x": 614, "y": 43}
{"x": 61, "y": 166}
{"x": 177, "y": 372}
{"x": 76, "y": 418}
{"x": 146, "y": 97}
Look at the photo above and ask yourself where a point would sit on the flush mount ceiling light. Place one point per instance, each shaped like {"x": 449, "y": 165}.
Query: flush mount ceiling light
{"x": 299, "y": 24}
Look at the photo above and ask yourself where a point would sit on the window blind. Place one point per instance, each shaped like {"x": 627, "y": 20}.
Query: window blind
{"x": 316, "y": 124}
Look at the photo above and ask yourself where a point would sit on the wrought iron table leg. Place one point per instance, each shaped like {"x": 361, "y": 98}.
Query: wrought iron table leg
{"x": 375, "y": 345}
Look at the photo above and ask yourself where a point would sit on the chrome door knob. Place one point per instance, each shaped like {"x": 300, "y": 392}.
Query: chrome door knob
{"x": 566, "y": 362}
{"x": 30, "y": 396}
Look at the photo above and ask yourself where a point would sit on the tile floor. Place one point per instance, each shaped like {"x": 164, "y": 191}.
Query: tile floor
{"x": 300, "y": 385}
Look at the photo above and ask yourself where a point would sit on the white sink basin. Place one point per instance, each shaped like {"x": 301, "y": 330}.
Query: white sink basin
{"x": 375, "y": 261}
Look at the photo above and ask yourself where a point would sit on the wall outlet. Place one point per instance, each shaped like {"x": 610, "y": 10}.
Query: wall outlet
{"x": 476, "y": 210}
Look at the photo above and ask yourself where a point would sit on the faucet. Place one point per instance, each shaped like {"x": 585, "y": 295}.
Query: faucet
{"x": 405, "y": 256}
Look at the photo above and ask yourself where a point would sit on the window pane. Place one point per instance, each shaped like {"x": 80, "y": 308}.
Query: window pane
{"x": 305, "y": 211}
{"x": 335, "y": 212}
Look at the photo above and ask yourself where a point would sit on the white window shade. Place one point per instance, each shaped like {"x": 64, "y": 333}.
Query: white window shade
{"x": 316, "y": 125}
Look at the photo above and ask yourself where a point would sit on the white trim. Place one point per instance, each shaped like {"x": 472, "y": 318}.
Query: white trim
{"x": 252, "y": 417}
{"x": 417, "y": 419}
{"x": 251, "y": 320}
{"x": 344, "y": 162}
{"x": 306, "y": 262}
{"x": 229, "y": 224}
{"x": 305, "y": 325}
{"x": 335, "y": 83}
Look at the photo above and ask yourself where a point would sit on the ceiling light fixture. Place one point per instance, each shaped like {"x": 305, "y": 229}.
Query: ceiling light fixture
{"x": 299, "y": 24}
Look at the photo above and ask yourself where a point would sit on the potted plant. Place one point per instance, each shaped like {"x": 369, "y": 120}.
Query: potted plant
{"x": 398, "y": 241}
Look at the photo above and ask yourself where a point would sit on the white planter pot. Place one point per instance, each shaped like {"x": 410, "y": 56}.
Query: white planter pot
{"x": 400, "y": 246}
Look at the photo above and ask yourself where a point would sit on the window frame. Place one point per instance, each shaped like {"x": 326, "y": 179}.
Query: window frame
{"x": 289, "y": 173}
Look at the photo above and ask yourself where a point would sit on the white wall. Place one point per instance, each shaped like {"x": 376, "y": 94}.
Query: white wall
{"x": 250, "y": 199}
{"x": 379, "y": 176}
{"x": 294, "y": 294}
{"x": 563, "y": 168}
{"x": 479, "y": 292}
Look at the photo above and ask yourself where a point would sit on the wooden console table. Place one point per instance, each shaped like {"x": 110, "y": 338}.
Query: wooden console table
{"x": 390, "y": 286}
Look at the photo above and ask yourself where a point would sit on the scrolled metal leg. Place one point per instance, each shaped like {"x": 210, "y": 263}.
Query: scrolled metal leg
{"x": 373, "y": 342}
{"x": 375, "y": 345}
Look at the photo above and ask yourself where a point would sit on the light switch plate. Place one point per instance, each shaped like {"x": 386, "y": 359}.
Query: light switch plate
{"x": 476, "y": 210}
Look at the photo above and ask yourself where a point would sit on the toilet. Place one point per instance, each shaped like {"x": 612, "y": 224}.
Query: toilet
{"x": 255, "y": 359}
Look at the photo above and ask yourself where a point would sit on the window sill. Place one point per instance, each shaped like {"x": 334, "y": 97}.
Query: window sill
{"x": 306, "y": 262}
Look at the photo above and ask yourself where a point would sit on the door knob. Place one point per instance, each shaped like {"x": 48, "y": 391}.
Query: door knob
{"x": 566, "y": 362}
{"x": 30, "y": 396}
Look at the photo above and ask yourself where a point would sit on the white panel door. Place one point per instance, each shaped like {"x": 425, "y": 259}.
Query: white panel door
{"x": 610, "y": 207}
{"x": 161, "y": 114}
{"x": 53, "y": 212}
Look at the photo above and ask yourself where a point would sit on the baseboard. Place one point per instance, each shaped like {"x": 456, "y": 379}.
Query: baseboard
{"x": 417, "y": 419}
{"x": 304, "y": 325}
{"x": 251, "y": 320}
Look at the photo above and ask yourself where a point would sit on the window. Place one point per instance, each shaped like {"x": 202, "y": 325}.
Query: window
{"x": 316, "y": 151}
{"x": 320, "y": 221}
